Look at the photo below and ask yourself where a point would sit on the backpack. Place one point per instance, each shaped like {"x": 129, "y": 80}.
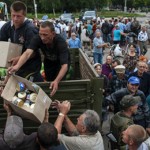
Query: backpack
{"x": 135, "y": 25}
{"x": 105, "y": 28}
{"x": 87, "y": 33}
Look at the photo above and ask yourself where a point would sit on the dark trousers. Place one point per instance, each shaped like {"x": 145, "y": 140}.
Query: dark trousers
{"x": 143, "y": 47}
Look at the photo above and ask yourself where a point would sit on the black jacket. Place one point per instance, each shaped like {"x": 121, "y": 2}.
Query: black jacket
{"x": 144, "y": 82}
{"x": 143, "y": 112}
{"x": 23, "y": 36}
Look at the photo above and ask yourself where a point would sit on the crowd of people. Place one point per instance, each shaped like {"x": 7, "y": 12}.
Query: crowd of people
{"x": 126, "y": 94}
{"x": 126, "y": 90}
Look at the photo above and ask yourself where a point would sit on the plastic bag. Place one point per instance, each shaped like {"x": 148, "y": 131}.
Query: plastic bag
{"x": 117, "y": 51}
{"x": 87, "y": 33}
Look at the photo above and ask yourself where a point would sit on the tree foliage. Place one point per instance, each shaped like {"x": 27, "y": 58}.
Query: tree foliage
{"x": 47, "y": 6}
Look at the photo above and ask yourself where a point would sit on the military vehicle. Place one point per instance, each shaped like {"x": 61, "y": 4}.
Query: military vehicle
{"x": 84, "y": 91}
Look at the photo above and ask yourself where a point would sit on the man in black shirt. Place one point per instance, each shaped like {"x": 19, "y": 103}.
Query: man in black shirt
{"x": 143, "y": 76}
{"x": 54, "y": 48}
{"x": 142, "y": 115}
{"x": 20, "y": 31}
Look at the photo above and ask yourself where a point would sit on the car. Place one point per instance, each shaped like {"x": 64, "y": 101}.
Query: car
{"x": 67, "y": 17}
{"x": 89, "y": 15}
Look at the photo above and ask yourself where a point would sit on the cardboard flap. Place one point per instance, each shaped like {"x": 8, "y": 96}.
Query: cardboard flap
{"x": 42, "y": 102}
{"x": 10, "y": 89}
{"x": 26, "y": 114}
{"x": 26, "y": 82}
{"x": 3, "y": 53}
{"x": 8, "y": 51}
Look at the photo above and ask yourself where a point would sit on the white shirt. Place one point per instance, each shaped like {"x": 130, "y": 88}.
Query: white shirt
{"x": 2, "y": 23}
{"x": 63, "y": 27}
{"x": 142, "y": 36}
{"x": 83, "y": 142}
{"x": 57, "y": 28}
{"x": 83, "y": 36}
{"x": 78, "y": 25}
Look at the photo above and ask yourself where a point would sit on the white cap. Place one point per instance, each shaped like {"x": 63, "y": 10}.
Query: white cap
{"x": 120, "y": 69}
{"x": 96, "y": 64}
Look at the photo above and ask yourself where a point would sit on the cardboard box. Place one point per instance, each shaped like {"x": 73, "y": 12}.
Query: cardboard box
{"x": 42, "y": 101}
{"x": 7, "y": 51}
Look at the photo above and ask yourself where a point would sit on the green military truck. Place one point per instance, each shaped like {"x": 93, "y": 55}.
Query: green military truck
{"x": 84, "y": 91}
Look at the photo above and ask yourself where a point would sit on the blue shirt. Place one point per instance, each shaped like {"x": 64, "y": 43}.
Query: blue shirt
{"x": 96, "y": 42}
{"x": 121, "y": 26}
{"x": 89, "y": 28}
{"x": 117, "y": 35}
{"x": 74, "y": 43}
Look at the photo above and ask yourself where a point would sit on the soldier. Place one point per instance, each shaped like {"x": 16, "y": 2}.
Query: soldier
{"x": 142, "y": 115}
{"x": 121, "y": 120}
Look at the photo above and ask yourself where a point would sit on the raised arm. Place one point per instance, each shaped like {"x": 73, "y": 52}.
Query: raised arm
{"x": 63, "y": 108}
{"x": 70, "y": 127}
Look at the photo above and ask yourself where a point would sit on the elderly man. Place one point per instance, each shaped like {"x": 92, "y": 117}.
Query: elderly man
{"x": 54, "y": 48}
{"x": 142, "y": 115}
{"x": 119, "y": 80}
{"x": 142, "y": 40}
{"x": 84, "y": 135}
{"x": 134, "y": 136}
{"x": 74, "y": 42}
{"x": 98, "y": 45}
{"x": 143, "y": 76}
{"x": 121, "y": 120}
{"x": 106, "y": 67}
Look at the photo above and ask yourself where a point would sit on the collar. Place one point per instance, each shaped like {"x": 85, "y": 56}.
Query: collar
{"x": 13, "y": 24}
{"x": 131, "y": 93}
{"x": 87, "y": 135}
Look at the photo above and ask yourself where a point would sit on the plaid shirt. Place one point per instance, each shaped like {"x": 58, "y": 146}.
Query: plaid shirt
{"x": 117, "y": 84}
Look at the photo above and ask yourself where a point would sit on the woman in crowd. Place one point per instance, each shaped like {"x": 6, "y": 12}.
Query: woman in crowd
{"x": 85, "y": 36}
{"x": 98, "y": 69}
{"x": 131, "y": 58}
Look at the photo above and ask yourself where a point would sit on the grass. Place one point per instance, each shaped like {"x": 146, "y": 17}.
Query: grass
{"x": 106, "y": 14}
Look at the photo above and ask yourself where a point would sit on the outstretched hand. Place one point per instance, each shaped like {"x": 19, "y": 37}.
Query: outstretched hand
{"x": 14, "y": 61}
{"x": 63, "y": 107}
{"x": 12, "y": 69}
{"x": 53, "y": 87}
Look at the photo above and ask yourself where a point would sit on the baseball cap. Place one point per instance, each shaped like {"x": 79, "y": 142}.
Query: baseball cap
{"x": 120, "y": 69}
{"x": 134, "y": 80}
{"x": 129, "y": 100}
{"x": 13, "y": 134}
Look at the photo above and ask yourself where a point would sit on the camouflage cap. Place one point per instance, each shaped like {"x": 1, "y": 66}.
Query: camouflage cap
{"x": 129, "y": 100}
